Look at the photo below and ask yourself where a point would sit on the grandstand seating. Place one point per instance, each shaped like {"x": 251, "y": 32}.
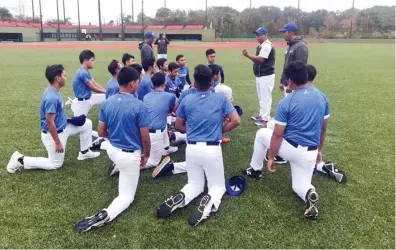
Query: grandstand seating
{"x": 110, "y": 27}
{"x": 174, "y": 27}
{"x": 133, "y": 27}
{"x": 193, "y": 27}
{"x": 155, "y": 27}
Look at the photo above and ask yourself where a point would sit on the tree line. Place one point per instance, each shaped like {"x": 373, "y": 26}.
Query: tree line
{"x": 378, "y": 21}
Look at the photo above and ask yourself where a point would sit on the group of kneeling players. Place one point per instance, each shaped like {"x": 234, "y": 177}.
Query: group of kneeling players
{"x": 140, "y": 108}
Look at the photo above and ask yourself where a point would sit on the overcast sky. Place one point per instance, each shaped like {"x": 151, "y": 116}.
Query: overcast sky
{"x": 111, "y": 8}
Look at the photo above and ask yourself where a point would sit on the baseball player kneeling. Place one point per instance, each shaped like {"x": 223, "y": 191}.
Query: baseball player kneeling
{"x": 124, "y": 121}
{"x": 200, "y": 115}
{"x": 55, "y": 128}
{"x": 298, "y": 136}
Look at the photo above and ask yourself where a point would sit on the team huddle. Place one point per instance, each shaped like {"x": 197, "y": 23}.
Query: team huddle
{"x": 148, "y": 108}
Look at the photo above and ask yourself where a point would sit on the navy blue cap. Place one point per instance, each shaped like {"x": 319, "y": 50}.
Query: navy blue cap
{"x": 149, "y": 34}
{"x": 238, "y": 110}
{"x": 236, "y": 185}
{"x": 289, "y": 27}
{"x": 261, "y": 31}
{"x": 77, "y": 120}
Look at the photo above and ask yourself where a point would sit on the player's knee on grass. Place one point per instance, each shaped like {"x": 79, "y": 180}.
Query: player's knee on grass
{"x": 57, "y": 163}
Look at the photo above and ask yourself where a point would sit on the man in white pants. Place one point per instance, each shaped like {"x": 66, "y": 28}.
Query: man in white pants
{"x": 264, "y": 70}
{"x": 204, "y": 127}
{"x": 124, "y": 121}
{"x": 84, "y": 84}
{"x": 298, "y": 136}
{"x": 55, "y": 129}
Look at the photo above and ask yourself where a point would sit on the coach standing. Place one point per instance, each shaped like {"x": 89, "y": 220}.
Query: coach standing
{"x": 296, "y": 51}
{"x": 264, "y": 70}
{"x": 146, "y": 47}
{"x": 162, "y": 46}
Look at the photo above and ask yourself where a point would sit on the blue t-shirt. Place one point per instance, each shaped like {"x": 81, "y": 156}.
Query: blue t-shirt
{"x": 145, "y": 87}
{"x": 124, "y": 115}
{"x": 112, "y": 87}
{"x": 80, "y": 81}
{"x": 159, "y": 104}
{"x": 183, "y": 74}
{"x": 204, "y": 115}
{"x": 52, "y": 103}
{"x": 172, "y": 85}
{"x": 191, "y": 90}
{"x": 303, "y": 112}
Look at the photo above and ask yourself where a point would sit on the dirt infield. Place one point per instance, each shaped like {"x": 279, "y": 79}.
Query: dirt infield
{"x": 129, "y": 45}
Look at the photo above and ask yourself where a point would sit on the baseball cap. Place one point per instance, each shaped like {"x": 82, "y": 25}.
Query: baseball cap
{"x": 289, "y": 27}
{"x": 149, "y": 34}
{"x": 238, "y": 110}
{"x": 77, "y": 120}
{"x": 236, "y": 185}
{"x": 261, "y": 31}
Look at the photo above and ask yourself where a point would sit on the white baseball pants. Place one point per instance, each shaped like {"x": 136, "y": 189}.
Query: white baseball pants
{"x": 203, "y": 160}
{"x": 157, "y": 141}
{"x": 55, "y": 160}
{"x": 162, "y": 56}
{"x": 302, "y": 161}
{"x": 83, "y": 107}
{"x": 264, "y": 86}
{"x": 129, "y": 166}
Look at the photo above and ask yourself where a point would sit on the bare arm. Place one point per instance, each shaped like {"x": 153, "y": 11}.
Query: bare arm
{"x": 175, "y": 107}
{"x": 144, "y": 134}
{"x": 255, "y": 59}
{"x": 276, "y": 140}
{"x": 102, "y": 130}
{"x": 50, "y": 120}
{"x": 95, "y": 87}
{"x": 180, "y": 125}
{"x": 233, "y": 121}
{"x": 323, "y": 135}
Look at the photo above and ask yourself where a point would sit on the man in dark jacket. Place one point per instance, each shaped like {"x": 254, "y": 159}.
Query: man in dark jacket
{"x": 146, "y": 47}
{"x": 162, "y": 46}
{"x": 297, "y": 51}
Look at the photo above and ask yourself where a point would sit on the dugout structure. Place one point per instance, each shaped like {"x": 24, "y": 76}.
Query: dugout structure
{"x": 30, "y": 32}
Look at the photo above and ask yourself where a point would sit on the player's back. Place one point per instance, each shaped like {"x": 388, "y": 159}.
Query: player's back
{"x": 80, "y": 80}
{"x": 124, "y": 115}
{"x": 112, "y": 87}
{"x": 204, "y": 114}
{"x": 305, "y": 109}
{"x": 145, "y": 87}
{"x": 158, "y": 104}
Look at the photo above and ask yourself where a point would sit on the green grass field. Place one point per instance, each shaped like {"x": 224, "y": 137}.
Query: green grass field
{"x": 39, "y": 209}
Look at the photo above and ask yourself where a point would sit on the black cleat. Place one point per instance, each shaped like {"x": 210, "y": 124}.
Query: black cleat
{"x": 96, "y": 144}
{"x": 165, "y": 167}
{"x": 170, "y": 205}
{"x": 202, "y": 211}
{"x": 311, "y": 204}
{"x": 278, "y": 160}
{"x": 334, "y": 173}
{"x": 257, "y": 174}
{"x": 88, "y": 223}
{"x": 113, "y": 171}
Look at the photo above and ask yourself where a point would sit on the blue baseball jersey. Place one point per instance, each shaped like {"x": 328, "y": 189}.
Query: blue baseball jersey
{"x": 172, "y": 85}
{"x": 112, "y": 87}
{"x": 189, "y": 91}
{"x": 145, "y": 87}
{"x": 303, "y": 112}
{"x": 183, "y": 74}
{"x": 80, "y": 83}
{"x": 124, "y": 115}
{"x": 204, "y": 115}
{"x": 52, "y": 103}
{"x": 159, "y": 104}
